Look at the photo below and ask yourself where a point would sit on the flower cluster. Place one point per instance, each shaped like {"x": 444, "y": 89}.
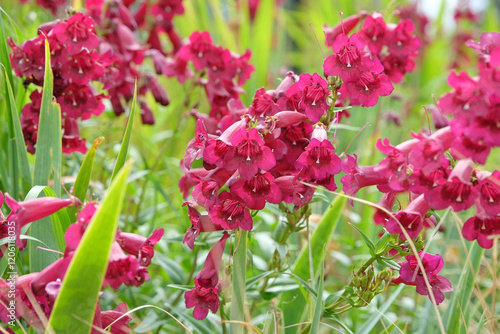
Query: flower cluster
{"x": 225, "y": 71}
{"x": 411, "y": 274}
{"x": 440, "y": 170}
{"x": 75, "y": 63}
{"x": 122, "y": 52}
{"x": 367, "y": 61}
{"x": 131, "y": 269}
{"x": 274, "y": 151}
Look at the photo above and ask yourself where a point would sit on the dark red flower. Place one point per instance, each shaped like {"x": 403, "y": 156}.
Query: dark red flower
{"x": 231, "y": 212}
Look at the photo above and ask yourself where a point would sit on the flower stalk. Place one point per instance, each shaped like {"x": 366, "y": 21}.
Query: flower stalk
{"x": 238, "y": 281}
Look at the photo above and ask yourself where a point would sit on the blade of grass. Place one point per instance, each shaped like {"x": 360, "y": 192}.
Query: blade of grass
{"x": 19, "y": 158}
{"x": 292, "y": 303}
{"x": 239, "y": 279}
{"x": 87, "y": 269}
{"x": 370, "y": 324}
{"x": 463, "y": 291}
{"x": 318, "y": 310}
{"x": 122, "y": 155}
{"x": 4, "y": 54}
{"x": 47, "y": 160}
{"x": 83, "y": 178}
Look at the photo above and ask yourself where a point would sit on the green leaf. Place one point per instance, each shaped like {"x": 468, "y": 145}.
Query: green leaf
{"x": 318, "y": 309}
{"x": 251, "y": 281}
{"x": 60, "y": 220}
{"x": 4, "y": 53}
{"x": 83, "y": 179}
{"x": 122, "y": 155}
{"x": 368, "y": 242}
{"x": 292, "y": 303}
{"x": 75, "y": 306}
{"x": 459, "y": 309}
{"x": 19, "y": 159}
{"x": 368, "y": 326}
{"x": 47, "y": 161}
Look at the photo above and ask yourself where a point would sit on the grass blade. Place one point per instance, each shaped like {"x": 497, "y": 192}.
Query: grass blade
{"x": 19, "y": 159}
{"x": 47, "y": 160}
{"x": 239, "y": 280}
{"x": 292, "y": 303}
{"x": 86, "y": 271}
{"x": 368, "y": 326}
{"x": 459, "y": 306}
{"x": 318, "y": 309}
{"x": 83, "y": 179}
{"x": 122, "y": 155}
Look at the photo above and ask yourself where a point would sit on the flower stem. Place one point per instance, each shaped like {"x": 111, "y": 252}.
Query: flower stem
{"x": 238, "y": 282}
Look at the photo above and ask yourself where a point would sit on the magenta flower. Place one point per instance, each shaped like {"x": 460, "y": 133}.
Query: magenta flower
{"x": 411, "y": 219}
{"x": 319, "y": 159}
{"x": 349, "y": 60}
{"x": 204, "y": 296}
{"x": 197, "y": 50}
{"x": 294, "y": 191}
{"x": 374, "y": 32}
{"x": 29, "y": 211}
{"x": 411, "y": 274}
{"x": 457, "y": 191}
{"x": 366, "y": 89}
{"x": 77, "y": 32}
{"x": 262, "y": 104}
{"x": 196, "y": 146}
{"x": 315, "y": 93}
{"x": 250, "y": 154}
{"x": 199, "y": 223}
{"x": 256, "y": 191}
{"x": 358, "y": 177}
{"x": 141, "y": 247}
{"x": 231, "y": 212}
{"x": 110, "y": 318}
{"x": 464, "y": 147}
{"x": 481, "y": 227}
{"x": 71, "y": 141}
{"x": 123, "y": 269}
{"x": 489, "y": 193}
{"x": 429, "y": 153}
{"x": 401, "y": 41}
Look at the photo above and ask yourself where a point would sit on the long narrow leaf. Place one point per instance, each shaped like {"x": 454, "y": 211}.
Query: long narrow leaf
{"x": 122, "y": 155}
{"x": 292, "y": 303}
{"x": 83, "y": 179}
{"x": 19, "y": 154}
{"x": 86, "y": 272}
{"x": 459, "y": 305}
{"x": 47, "y": 160}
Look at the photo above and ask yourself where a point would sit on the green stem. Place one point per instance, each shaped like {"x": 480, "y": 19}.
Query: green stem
{"x": 239, "y": 279}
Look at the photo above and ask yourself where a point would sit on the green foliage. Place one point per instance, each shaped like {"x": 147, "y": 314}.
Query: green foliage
{"x": 76, "y": 303}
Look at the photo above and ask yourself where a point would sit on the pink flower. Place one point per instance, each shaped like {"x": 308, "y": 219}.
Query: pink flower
{"x": 71, "y": 141}
{"x": 123, "y": 269}
{"x": 319, "y": 159}
{"x": 349, "y": 60}
{"x": 374, "y": 32}
{"x": 231, "y": 212}
{"x": 481, "y": 227}
{"x": 411, "y": 219}
{"x": 315, "y": 93}
{"x": 366, "y": 89}
{"x": 250, "y": 154}
{"x": 294, "y": 191}
{"x": 204, "y": 296}
{"x": 411, "y": 274}
{"x": 401, "y": 41}
{"x": 29, "y": 211}
{"x": 256, "y": 191}
{"x": 199, "y": 223}
{"x": 489, "y": 193}
{"x": 197, "y": 50}
{"x": 429, "y": 153}
{"x": 77, "y": 32}
{"x": 457, "y": 191}
{"x": 141, "y": 247}
{"x": 196, "y": 146}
